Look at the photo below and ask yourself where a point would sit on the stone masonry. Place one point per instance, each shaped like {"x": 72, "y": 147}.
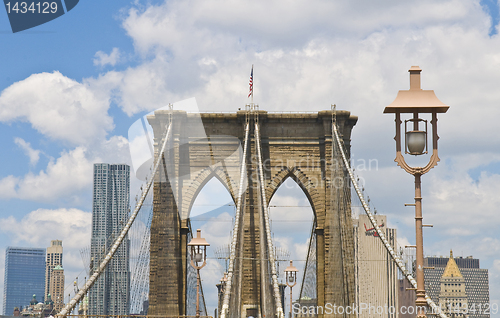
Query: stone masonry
{"x": 294, "y": 145}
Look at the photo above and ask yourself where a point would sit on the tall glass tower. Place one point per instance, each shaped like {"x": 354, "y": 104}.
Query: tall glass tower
{"x": 110, "y": 295}
{"x": 24, "y": 277}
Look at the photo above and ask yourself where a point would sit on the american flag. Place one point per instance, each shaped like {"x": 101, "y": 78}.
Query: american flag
{"x": 251, "y": 83}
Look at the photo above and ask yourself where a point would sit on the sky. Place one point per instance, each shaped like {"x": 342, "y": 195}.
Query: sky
{"x": 71, "y": 88}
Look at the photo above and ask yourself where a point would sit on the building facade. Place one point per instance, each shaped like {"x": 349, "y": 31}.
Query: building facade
{"x": 475, "y": 280}
{"x": 37, "y": 309}
{"x": 452, "y": 296}
{"x": 110, "y": 295}
{"x": 24, "y": 277}
{"x": 56, "y": 288}
{"x": 376, "y": 274}
{"x": 54, "y": 258}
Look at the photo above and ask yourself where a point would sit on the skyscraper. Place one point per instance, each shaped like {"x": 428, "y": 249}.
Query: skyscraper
{"x": 24, "y": 277}
{"x": 56, "y": 288}
{"x": 110, "y": 293}
{"x": 475, "y": 279}
{"x": 376, "y": 273}
{"x": 54, "y": 258}
{"x": 452, "y": 296}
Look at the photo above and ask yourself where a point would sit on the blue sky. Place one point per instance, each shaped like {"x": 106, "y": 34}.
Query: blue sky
{"x": 70, "y": 89}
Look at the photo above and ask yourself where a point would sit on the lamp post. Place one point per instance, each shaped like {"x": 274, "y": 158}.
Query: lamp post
{"x": 291, "y": 280}
{"x": 198, "y": 247}
{"x": 416, "y": 101}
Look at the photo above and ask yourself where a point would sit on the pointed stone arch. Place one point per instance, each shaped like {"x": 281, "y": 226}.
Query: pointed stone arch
{"x": 198, "y": 183}
{"x": 307, "y": 186}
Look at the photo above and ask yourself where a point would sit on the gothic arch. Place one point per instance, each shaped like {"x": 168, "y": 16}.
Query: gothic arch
{"x": 302, "y": 180}
{"x": 199, "y": 182}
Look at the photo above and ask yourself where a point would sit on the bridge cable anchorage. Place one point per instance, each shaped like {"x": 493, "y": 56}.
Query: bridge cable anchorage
{"x": 227, "y": 289}
{"x": 381, "y": 235}
{"x": 277, "y": 296}
{"x": 71, "y": 305}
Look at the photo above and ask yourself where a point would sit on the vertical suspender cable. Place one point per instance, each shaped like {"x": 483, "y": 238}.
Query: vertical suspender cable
{"x": 69, "y": 306}
{"x": 435, "y": 308}
{"x": 227, "y": 289}
{"x": 277, "y": 296}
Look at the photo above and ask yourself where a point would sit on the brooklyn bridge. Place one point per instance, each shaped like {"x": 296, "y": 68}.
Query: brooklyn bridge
{"x": 252, "y": 152}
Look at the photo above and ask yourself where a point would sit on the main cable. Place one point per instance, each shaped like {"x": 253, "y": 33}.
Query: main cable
{"x": 277, "y": 295}
{"x": 227, "y": 290}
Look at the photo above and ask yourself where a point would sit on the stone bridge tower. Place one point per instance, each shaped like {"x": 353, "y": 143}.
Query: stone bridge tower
{"x": 294, "y": 145}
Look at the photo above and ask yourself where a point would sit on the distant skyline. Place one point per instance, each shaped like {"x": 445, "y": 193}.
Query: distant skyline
{"x": 70, "y": 89}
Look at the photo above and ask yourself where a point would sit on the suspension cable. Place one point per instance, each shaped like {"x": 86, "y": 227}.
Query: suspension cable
{"x": 381, "y": 235}
{"x": 227, "y": 290}
{"x": 277, "y": 295}
{"x": 71, "y": 305}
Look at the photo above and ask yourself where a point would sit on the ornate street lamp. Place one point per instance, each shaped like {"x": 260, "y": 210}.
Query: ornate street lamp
{"x": 417, "y": 101}
{"x": 198, "y": 247}
{"x": 291, "y": 280}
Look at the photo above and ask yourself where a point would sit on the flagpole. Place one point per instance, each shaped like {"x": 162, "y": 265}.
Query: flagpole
{"x": 252, "y": 84}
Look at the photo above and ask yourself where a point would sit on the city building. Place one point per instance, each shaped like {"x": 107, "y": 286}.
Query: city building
{"x": 53, "y": 258}
{"x": 24, "y": 276}
{"x": 110, "y": 295}
{"x": 452, "y": 297}
{"x": 446, "y": 289}
{"x": 56, "y": 288}
{"x": 376, "y": 274}
{"x": 37, "y": 309}
{"x": 406, "y": 299}
{"x": 406, "y": 293}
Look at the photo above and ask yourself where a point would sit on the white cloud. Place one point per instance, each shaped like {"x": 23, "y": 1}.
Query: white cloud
{"x": 402, "y": 241}
{"x": 33, "y": 154}
{"x": 205, "y": 202}
{"x": 63, "y": 177}
{"x": 58, "y": 107}
{"x": 180, "y": 26}
{"x": 149, "y": 86}
{"x": 40, "y": 226}
{"x": 103, "y": 59}
{"x": 8, "y": 186}
{"x": 462, "y": 206}
{"x": 112, "y": 150}
{"x": 217, "y": 230}
{"x": 68, "y": 177}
